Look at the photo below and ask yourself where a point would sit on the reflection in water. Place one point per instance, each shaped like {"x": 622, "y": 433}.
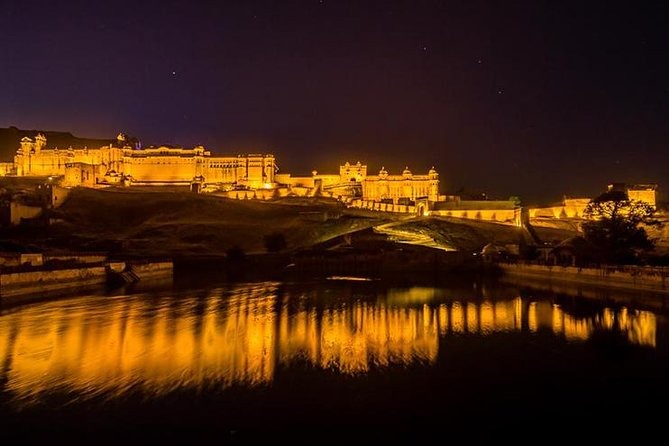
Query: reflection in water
{"x": 92, "y": 347}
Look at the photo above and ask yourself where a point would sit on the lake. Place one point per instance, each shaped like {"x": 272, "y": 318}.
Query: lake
{"x": 335, "y": 360}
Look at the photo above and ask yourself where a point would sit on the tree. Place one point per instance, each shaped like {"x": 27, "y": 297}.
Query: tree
{"x": 515, "y": 200}
{"x": 275, "y": 242}
{"x": 616, "y": 227}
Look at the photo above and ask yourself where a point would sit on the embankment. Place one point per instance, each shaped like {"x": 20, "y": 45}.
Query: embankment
{"x": 25, "y": 286}
{"x": 652, "y": 279}
{"x": 31, "y": 285}
{"x": 152, "y": 270}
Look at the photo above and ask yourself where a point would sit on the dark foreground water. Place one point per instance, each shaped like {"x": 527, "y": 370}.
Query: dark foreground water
{"x": 341, "y": 361}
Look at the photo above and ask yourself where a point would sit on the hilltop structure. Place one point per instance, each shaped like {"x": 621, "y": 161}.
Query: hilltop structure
{"x": 125, "y": 162}
{"x": 353, "y": 182}
{"x": 241, "y": 176}
{"x": 121, "y": 163}
{"x": 574, "y": 207}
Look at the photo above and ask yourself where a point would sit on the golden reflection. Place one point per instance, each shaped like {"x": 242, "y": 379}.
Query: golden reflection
{"x": 457, "y": 318}
{"x": 532, "y": 317}
{"x": 102, "y": 347}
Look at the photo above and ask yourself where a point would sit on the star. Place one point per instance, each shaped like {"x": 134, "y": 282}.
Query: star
{"x": 174, "y": 73}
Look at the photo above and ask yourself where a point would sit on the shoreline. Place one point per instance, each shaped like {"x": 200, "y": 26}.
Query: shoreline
{"x": 40, "y": 283}
{"x": 631, "y": 278}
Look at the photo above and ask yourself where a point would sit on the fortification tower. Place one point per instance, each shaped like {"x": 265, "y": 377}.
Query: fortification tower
{"x": 40, "y": 143}
{"x": 407, "y": 187}
{"x": 433, "y": 185}
{"x": 26, "y": 146}
{"x": 383, "y": 189}
{"x": 22, "y": 157}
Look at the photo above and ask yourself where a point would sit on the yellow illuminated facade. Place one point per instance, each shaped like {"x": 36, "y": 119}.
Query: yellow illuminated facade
{"x": 353, "y": 181}
{"x": 120, "y": 164}
{"x": 242, "y": 336}
{"x": 115, "y": 164}
{"x": 645, "y": 193}
{"x": 575, "y": 207}
{"x": 406, "y": 186}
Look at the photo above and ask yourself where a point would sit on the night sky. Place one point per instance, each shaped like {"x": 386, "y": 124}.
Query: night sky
{"x": 536, "y": 99}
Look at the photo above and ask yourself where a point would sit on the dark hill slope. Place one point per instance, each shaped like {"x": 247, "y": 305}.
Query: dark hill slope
{"x": 165, "y": 223}
{"x": 10, "y": 138}
{"x": 155, "y": 222}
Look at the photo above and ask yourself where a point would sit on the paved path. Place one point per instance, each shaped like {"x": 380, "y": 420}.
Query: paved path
{"x": 396, "y": 233}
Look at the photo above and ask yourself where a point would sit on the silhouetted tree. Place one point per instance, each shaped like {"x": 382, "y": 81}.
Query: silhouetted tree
{"x": 275, "y": 242}
{"x": 616, "y": 227}
{"x": 526, "y": 251}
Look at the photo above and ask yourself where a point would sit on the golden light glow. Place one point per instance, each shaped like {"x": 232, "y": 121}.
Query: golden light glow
{"x": 532, "y": 317}
{"x": 155, "y": 345}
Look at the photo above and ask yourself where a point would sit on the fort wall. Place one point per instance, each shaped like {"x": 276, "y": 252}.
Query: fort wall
{"x": 507, "y": 216}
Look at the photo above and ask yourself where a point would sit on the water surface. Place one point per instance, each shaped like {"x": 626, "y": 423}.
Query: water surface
{"x": 333, "y": 356}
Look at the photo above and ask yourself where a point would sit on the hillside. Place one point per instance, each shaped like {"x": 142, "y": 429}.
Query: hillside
{"x": 166, "y": 223}
{"x": 11, "y": 136}
{"x": 472, "y": 235}
{"x": 152, "y": 222}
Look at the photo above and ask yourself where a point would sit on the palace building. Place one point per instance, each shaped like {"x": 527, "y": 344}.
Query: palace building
{"x": 122, "y": 164}
{"x": 354, "y": 182}
{"x": 397, "y": 189}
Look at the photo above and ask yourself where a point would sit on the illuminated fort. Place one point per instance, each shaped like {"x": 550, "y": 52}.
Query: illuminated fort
{"x": 123, "y": 164}
{"x": 241, "y": 176}
{"x": 256, "y": 176}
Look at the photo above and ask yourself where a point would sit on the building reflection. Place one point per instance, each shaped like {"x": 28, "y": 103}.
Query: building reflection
{"x": 100, "y": 348}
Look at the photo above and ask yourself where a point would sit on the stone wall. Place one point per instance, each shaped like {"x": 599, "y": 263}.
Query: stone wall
{"x": 20, "y": 211}
{"x": 383, "y": 207}
{"x": 6, "y": 169}
{"x": 565, "y": 211}
{"x": 77, "y": 257}
{"x": 12, "y": 284}
{"x": 58, "y": 195}
{"x": 152, "y": 269}
{"x": 507, "y": 216}
{"x": 632, "y": 277}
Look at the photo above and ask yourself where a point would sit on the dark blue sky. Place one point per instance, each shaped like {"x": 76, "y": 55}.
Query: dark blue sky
{"x": 536, "y": 99}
